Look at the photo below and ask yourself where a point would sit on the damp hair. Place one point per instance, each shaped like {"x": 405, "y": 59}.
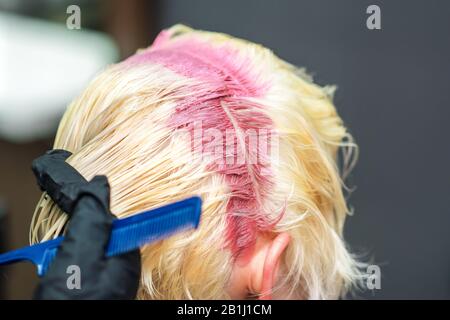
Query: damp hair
{"x": 135, "y": 121}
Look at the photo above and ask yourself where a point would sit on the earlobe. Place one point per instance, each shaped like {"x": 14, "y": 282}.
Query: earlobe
{"x": 271, "y": 262}
{"x": 256, "y": 273}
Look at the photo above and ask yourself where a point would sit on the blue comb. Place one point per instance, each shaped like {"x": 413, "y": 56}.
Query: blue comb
{"x": 126, "y": 234}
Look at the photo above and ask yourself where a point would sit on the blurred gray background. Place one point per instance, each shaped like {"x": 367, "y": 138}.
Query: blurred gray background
{"x": 393, "y": 93}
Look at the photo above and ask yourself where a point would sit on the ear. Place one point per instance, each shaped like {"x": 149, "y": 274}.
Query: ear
{"x": 256, "y": 271}
{"x": 275, "y": 249}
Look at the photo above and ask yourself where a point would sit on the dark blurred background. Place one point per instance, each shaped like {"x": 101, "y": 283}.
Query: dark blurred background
{"x": 393, "y": 93}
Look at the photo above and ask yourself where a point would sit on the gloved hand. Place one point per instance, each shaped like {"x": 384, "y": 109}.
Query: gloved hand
{"x": 86, "y": 238}
{"x": 60, "y": 180}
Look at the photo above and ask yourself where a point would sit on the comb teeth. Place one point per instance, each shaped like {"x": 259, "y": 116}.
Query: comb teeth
{"x": 133, "y": 232}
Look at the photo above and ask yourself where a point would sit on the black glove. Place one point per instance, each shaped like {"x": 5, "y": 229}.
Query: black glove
{"x": 59, "y": 179}
{"x": 86, "y": 238}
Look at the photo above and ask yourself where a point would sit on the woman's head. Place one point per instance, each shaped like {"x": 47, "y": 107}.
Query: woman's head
{"x": 207, "y": 114}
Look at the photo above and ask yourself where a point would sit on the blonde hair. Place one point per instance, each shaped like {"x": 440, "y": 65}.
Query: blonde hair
{"x": 125, "y": 126}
